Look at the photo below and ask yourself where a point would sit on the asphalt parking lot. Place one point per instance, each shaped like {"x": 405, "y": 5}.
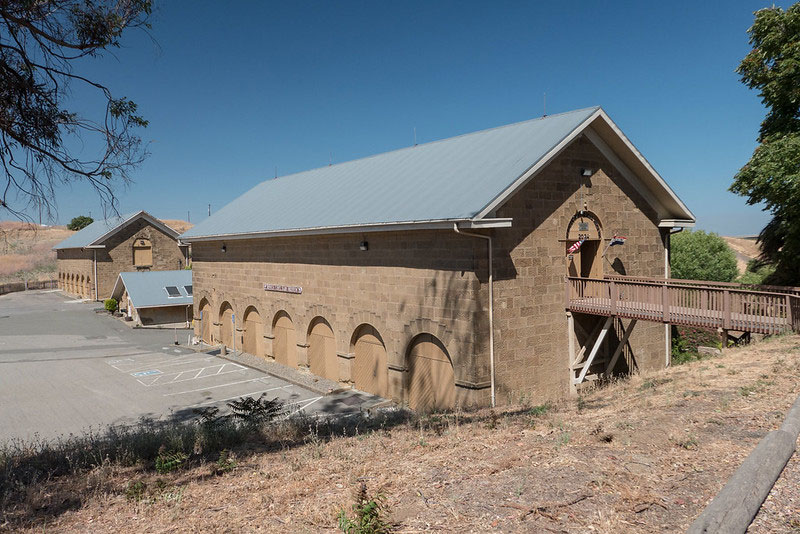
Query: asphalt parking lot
{"x": 65, "y": 369}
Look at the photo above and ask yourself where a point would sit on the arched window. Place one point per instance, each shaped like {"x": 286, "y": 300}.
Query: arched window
{"x": 431, "y": 384}
{"x": 142, "y": 253}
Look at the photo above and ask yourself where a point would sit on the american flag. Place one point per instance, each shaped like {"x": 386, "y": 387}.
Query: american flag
{"x": 574, "y": 248}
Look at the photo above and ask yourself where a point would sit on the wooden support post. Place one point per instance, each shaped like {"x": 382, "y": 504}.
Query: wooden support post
{"x": 789, "y": 323}
{"x": 621, "y": 346}
{"x": 596, "y": 348}
{"x": 571, "y": 344}
{"x": 665, "y": 303}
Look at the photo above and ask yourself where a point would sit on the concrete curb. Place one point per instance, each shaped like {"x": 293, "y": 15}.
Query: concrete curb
{"x": 735, "y": 506}
{"x": 318, "y": 385}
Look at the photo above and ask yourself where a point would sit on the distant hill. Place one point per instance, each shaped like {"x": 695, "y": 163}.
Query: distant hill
{"x": 745, "y": 249}
{"x": 26, "y": 249}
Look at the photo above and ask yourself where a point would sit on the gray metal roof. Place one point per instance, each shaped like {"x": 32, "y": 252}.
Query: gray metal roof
{"x": 451, "y": 179}
{"x": 90, "y": 234}
{"x": 100, "y": 230}
{"x": 146, "y": 289}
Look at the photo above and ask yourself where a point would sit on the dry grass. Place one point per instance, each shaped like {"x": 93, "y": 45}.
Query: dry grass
{"x": 26, "y": 250}
{"x": 177, "y": 225}
{"x": 643, "y": 454}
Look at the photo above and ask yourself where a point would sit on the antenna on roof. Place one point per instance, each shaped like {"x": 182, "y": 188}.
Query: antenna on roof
{"x": 544, "y": 104}
{"x": 415, "y": 136}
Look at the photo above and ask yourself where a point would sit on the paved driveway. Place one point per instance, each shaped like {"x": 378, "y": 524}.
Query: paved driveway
{"x": 65, "y": 369}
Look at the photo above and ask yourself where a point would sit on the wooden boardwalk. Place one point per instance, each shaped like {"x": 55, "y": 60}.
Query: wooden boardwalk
{"x": 702, "y": 304}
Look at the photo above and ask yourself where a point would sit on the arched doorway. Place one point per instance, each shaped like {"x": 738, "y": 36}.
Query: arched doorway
{"x": 370, "y": 368}
{"x": 285, "y": 341}
{"x": 205, "y": 321}
{"x": 226, "y": 324}
{"x": 253, "y": 332}
{"x": 431, "y": 383}
{"x": 82, "y": 287}
{"x": 587, "y": 261}
{"x": 322, "y": 350}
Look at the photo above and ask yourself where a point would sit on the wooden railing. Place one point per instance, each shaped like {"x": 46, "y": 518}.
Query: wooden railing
{"x": 682, "y": 303}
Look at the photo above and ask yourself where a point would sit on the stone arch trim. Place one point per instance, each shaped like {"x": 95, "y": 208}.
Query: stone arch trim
{"x": 440, "y": 331}
{"x": 374, "y": 320}
{"x": 310, "y": 314}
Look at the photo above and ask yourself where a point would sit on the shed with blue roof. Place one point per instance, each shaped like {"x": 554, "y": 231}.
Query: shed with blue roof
{"x": 151, "y": 298}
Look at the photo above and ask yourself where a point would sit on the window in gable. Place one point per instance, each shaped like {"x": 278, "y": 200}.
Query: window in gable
{"x": 142, "y": 253}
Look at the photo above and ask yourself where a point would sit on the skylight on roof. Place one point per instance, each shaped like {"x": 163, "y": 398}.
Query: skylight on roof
{"x": 172, "y": 291}
{"x": 188, "y": 289}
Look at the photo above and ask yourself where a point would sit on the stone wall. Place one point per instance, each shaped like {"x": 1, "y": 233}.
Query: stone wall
{"x": 531, "y": 335}
{"x": 405, "y": 284}
{"x": 75, "y": 272}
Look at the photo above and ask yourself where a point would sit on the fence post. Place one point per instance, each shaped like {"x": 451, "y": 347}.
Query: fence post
{"x": 726, "y": 310}
{"x": 789, "y": 312}
{"x": 614, "y": 297}
{"x": 665, "y": 303}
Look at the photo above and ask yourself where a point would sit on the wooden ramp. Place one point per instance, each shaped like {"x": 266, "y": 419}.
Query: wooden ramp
{"x": 724, "y": 307}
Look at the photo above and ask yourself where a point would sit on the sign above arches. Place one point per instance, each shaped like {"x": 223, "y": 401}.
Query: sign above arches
{"x": 584, "y": 225}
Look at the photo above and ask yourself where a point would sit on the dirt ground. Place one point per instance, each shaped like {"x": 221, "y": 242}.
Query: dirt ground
{"x": 644, "y": 454}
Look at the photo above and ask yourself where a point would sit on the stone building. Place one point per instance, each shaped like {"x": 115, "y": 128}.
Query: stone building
{"x": 435, "y": 275}
{"x": 90, "y": 260}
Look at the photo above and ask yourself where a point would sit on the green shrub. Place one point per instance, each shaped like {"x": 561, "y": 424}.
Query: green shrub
{"x": 110, "y": 304}
{"x": 368, "y": 514}
{"x": 756, "y": 273}
{"x": 79, "y": 223}
{"x": 166, "y": 462}
{"x": 701, "y": 256}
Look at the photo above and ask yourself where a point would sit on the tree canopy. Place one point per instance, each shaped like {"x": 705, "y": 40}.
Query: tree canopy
{"x": 79, "y": 223}
{"x": 701, "y": 256}
{"x": 42, "y": 141}
{"x": 772, "y": 176}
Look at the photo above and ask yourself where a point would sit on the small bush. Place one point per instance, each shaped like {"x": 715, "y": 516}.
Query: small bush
{"x": 368, "y": 514}
{"x": 166, "y": 462}
{"x": 110, "y": 304}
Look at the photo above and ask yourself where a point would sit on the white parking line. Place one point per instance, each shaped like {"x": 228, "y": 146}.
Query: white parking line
{"x": 240, "y": 396}
{"x": 309, "y": 403}
{"x": 213, "y": 387}
{"x": 164, "y": 378}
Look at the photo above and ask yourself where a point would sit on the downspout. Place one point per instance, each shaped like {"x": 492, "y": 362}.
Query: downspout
{"x": 96, "y": 296}
{"x": 491, "y": 305}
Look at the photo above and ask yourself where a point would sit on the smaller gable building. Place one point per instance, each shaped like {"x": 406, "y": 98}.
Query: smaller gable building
{"x": 155, "y": 297}
{"x": 90, "y": 260}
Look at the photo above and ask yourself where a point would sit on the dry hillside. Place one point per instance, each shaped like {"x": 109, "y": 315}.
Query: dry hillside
{"x": 643, "y": 454}
{"x": 745, "y": 249}
{"x": 26, "y": 249}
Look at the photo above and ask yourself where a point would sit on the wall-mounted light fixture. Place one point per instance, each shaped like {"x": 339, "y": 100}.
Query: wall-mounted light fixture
{"x": 224, "y": 248}
{"x": 363, "y": 245}
{"x": 587, "y": 172}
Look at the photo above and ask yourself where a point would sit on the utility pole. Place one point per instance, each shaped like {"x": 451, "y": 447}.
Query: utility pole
{"x": 209, "y": 210}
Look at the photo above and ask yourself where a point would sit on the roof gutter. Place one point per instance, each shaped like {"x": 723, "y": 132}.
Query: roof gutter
{"x": 491, "y": 304}
{"x": 441, "y": 224}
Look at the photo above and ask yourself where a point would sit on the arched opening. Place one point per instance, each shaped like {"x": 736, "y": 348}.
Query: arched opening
{"x": 205, "y": 321}
{"x": 88, "y": 288}
{"x": 226, "y": 324}
{"x": 82, "y": 287}
{"x": 142, "y": 253}
{"x": 431, "y": 382}
{"x": 322, "y": 349}
{"x": 586, "y": 261}
{"x": 71, "y": 284}
{"x": 253, "y": 332}
{"x": 285, "y": 340}
{"x": 370, "y": 367}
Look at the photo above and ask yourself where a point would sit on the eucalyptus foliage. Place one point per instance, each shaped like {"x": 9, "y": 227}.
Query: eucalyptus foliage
{"x": 772, "y": 176}
{"x": 43, "y": 142}
{"x": 701, "y": 256}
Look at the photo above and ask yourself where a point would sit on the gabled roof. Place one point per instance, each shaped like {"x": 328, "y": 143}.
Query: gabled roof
{"x": 459, "y": 180}
{"x": 147, "y": 289}
{"x": 97, "y": 232}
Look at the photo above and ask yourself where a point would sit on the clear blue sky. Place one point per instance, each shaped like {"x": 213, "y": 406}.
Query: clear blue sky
{"x": 234, "y": 90}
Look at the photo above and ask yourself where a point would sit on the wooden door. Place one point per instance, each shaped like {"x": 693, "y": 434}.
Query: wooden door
{"x": 285, "y": 343}
{"x": 322, "y": 352}
{"x": 432, "y": 382}
{"x": 226, "y": 329}
{"x": 253, "y": 334}
{"x": 370, "y": 369}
